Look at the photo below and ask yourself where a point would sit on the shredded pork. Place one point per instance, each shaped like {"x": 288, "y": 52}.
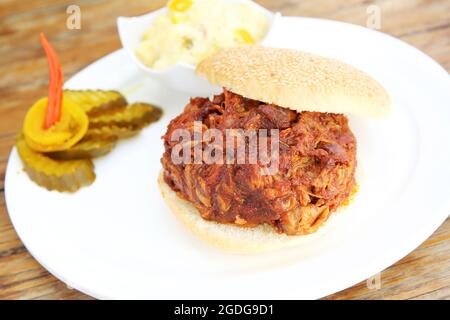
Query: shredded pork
{"x": 316, "y": 168}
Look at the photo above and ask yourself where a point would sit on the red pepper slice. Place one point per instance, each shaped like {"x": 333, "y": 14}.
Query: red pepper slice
{"x": 55, "y": 85}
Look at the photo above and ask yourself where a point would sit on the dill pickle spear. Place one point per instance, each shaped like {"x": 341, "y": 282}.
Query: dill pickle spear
{"x": 87, "y": 148}
{"x": 60, "y": 175}
{"x": 135, "y": 116}
{"x": 97, "y": 102}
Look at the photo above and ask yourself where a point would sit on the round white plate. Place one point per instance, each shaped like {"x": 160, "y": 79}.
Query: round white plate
{"x": 117, "y": 238}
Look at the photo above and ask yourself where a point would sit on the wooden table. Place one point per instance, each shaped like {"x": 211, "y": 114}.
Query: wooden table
{"x": 423, "y": 274}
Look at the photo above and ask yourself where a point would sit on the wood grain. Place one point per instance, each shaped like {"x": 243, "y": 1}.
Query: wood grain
{"x": 423, "y": 274}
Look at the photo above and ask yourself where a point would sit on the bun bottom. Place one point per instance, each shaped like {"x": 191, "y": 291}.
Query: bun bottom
{"x": 230, "y": 238}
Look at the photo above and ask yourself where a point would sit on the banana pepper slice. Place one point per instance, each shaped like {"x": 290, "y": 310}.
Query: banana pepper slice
{"x": 65, "y": 133}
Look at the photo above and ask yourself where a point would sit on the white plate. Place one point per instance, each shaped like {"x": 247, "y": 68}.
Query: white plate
{"x": 117, "y": 239}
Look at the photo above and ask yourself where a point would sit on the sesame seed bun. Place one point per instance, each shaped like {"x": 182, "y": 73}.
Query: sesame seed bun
{"x": 296, "y": 80}
{"x": 231, "y": 238}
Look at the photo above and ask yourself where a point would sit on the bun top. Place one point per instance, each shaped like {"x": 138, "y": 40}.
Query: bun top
{"x": 296, "y": 80}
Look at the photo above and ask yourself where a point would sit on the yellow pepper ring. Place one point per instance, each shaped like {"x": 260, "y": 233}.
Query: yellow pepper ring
{"x": 71, "y": 128}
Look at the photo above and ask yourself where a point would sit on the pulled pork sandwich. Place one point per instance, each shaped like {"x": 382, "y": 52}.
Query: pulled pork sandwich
{"x": 239, "y": 206}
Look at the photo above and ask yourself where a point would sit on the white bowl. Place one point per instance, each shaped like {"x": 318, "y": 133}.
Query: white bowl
{"x": 181, "y": 76}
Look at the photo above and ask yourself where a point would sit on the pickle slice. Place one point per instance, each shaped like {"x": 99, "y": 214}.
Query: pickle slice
{"x": 111, "y": 132}
{"x": 87, "y": 148}
{"x": 97, "y": 102}
{"x": 135, "y": 116}
{"x": 69, "y": 175}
